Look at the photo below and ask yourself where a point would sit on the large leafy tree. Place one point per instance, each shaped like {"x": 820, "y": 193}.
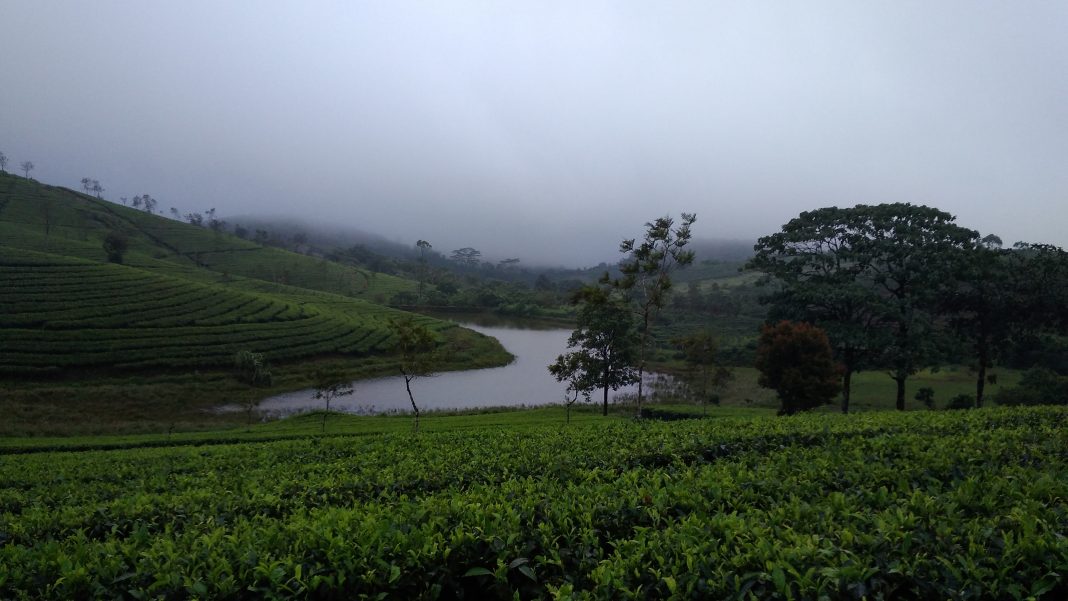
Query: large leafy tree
{"x": 819, "y": 278}
{"x": 795, "y": 360}
{"x": 604, "y": 342}
{"x": 647, "y": 272}
{"x": 911, "y": 253}
{"x": 874, "y": 276}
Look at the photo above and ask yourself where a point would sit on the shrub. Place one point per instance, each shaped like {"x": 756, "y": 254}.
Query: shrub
{"x": 795, "y": 360}
{"x": 1038, "y": 386}
{"x": 961, "y": 401}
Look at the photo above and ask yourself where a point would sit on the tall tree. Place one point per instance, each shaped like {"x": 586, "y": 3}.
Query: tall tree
{"x": 467, "y": 256}
{"x": 3, "y": 163}
{"x": 605, "y": 341}
{"x": 96, "y": 188}
{"x": 820, "y": 278}
{"x": 424, "y": 247}
{"x": 87, "y": 184}
{"x": 911, "y": 253}
{"x": 27, "y": 167}
{"x": 795, "y": 360}
{"x": 647, "y": 272}
{"x": 415, "y": 346}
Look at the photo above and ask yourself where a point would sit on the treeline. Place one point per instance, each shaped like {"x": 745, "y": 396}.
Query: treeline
{"x": 902, "y": 287}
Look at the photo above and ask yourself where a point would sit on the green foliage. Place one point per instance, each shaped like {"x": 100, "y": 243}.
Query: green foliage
{"x": 795, "y": 361}
{"x": 916, "y": 506}
{"x": 1038, "y": 386}
{"x": 961, "y": 401}
{"x": 115, "y": 245}
{"x": 925, "y": 395}
{"x": 646, "y": 278}
{"x": 605, "y": 342}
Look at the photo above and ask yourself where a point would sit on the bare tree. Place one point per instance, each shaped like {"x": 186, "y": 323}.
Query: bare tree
{"x": 123, "y": 199}
{"x": 330, "y": 385}
{"x": 3, "y": 163}
{"x": 86, "y": 184}
{"x": 27, "y": 167}
{"x": 97, "y": 188}
{"x": 414, "y": 344}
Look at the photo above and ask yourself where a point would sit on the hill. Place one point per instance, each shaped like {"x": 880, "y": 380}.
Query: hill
{"x": 184, "y": 299}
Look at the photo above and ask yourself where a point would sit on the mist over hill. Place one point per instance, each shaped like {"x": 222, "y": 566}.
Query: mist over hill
{"x": 324, "y": 238}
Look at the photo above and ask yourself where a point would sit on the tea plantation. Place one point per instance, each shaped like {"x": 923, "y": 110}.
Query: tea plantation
{"x": 947, "y": 505}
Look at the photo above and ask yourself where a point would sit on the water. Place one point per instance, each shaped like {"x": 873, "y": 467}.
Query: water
{"x": 524, "y": 382}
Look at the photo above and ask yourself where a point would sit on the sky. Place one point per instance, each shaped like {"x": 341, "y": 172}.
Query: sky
{"x": 548, "y": 131}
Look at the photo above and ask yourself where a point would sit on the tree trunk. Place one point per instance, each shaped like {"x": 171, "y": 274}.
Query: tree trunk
{"x": 408, "y": 386}
{"x": 605, "y": 411}
{"x": 847, "y": 379}
{"x": 980, "y": 382}
{"x": 900, "y": 392}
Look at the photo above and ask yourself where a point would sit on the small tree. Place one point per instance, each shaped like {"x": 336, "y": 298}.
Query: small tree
{"x": 424, "y": 246}
{"x": 647, "y": 275}
{"x": 115, "y": 245}
{"x": 571, "y": 368}
{"x": 3, "y": 163}
{"x": 795, "y": 361}
{"x": 97, "y": 188}
{"x": 27, "y": 167}
{"x": 699, "y": 350}
{"x": 415, "y": 345}
{"x": 605, "y": 340}
{"x": 329, "y": 385}
{"x": 252, "y": 370}
{"x": 87, "y": 184}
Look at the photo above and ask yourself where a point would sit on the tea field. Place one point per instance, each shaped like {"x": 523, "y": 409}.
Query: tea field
{"x": 920, "y": 505}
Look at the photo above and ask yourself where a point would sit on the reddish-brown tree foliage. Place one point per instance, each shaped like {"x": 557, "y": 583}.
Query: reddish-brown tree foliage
{"x": 795, "y": 361}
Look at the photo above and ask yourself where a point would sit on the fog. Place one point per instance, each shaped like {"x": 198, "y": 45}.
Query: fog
{"x": 548, "y": 130}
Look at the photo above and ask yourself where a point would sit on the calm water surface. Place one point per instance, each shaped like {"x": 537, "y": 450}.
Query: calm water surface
{"x": 524, "y": 382}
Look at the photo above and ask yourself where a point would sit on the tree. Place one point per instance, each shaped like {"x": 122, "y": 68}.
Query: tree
{"x": 148, "y": 202}
{"x": 330, "y": 385}
{"x": 87, "y": 184}
{"x": 175, "y": 214}
{"x": 97, "y": 188}
{"x": 3, "y": 163}
{"x": 605, "y": 339}
{"x": 795, "y": 360}
{"x": 27, "y": 167}
{"x": 252, "y": 370}
{"x": 821, "y": 279}
{"x": 699, "y": 350}
{"x": 415, "y": 347}
{"x": 423, "y": 246}
{"x": 467, "y": 256}
{"x": 873, "y": 276}
{"x": 911, "y": 254}
{"x": 571, "y": 368}
{"x": 115, "y": 245}
{"x": 647, "y": 275}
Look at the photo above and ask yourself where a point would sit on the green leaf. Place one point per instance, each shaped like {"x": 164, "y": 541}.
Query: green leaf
{"x": 477, "y": 571}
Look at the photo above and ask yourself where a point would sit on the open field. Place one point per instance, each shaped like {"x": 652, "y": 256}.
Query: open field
{"x": 965, "y": 505}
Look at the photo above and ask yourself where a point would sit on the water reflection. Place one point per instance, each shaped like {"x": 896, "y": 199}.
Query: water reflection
{"x": 524, "y": 382}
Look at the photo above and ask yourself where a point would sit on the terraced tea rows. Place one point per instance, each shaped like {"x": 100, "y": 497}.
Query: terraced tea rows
{"x": 949, "y": 505}
{"x": 60, "y": 312}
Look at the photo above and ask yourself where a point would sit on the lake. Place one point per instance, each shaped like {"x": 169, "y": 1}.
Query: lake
{"x": 524, "y": 382}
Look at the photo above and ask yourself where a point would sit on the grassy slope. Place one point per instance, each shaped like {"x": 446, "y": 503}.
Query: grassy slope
{"x": 130, "y": 341}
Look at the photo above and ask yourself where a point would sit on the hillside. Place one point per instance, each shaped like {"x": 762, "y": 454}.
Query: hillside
{"x": 184, "y": 299}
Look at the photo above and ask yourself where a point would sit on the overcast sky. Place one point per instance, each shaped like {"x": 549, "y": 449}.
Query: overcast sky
{"x": 548, "y": 130}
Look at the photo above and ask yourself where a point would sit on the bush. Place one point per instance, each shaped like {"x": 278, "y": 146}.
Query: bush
{"x": 961, "y": 401}
{"x": 1038, "y": 386}
{"x": 795, "y": 361}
